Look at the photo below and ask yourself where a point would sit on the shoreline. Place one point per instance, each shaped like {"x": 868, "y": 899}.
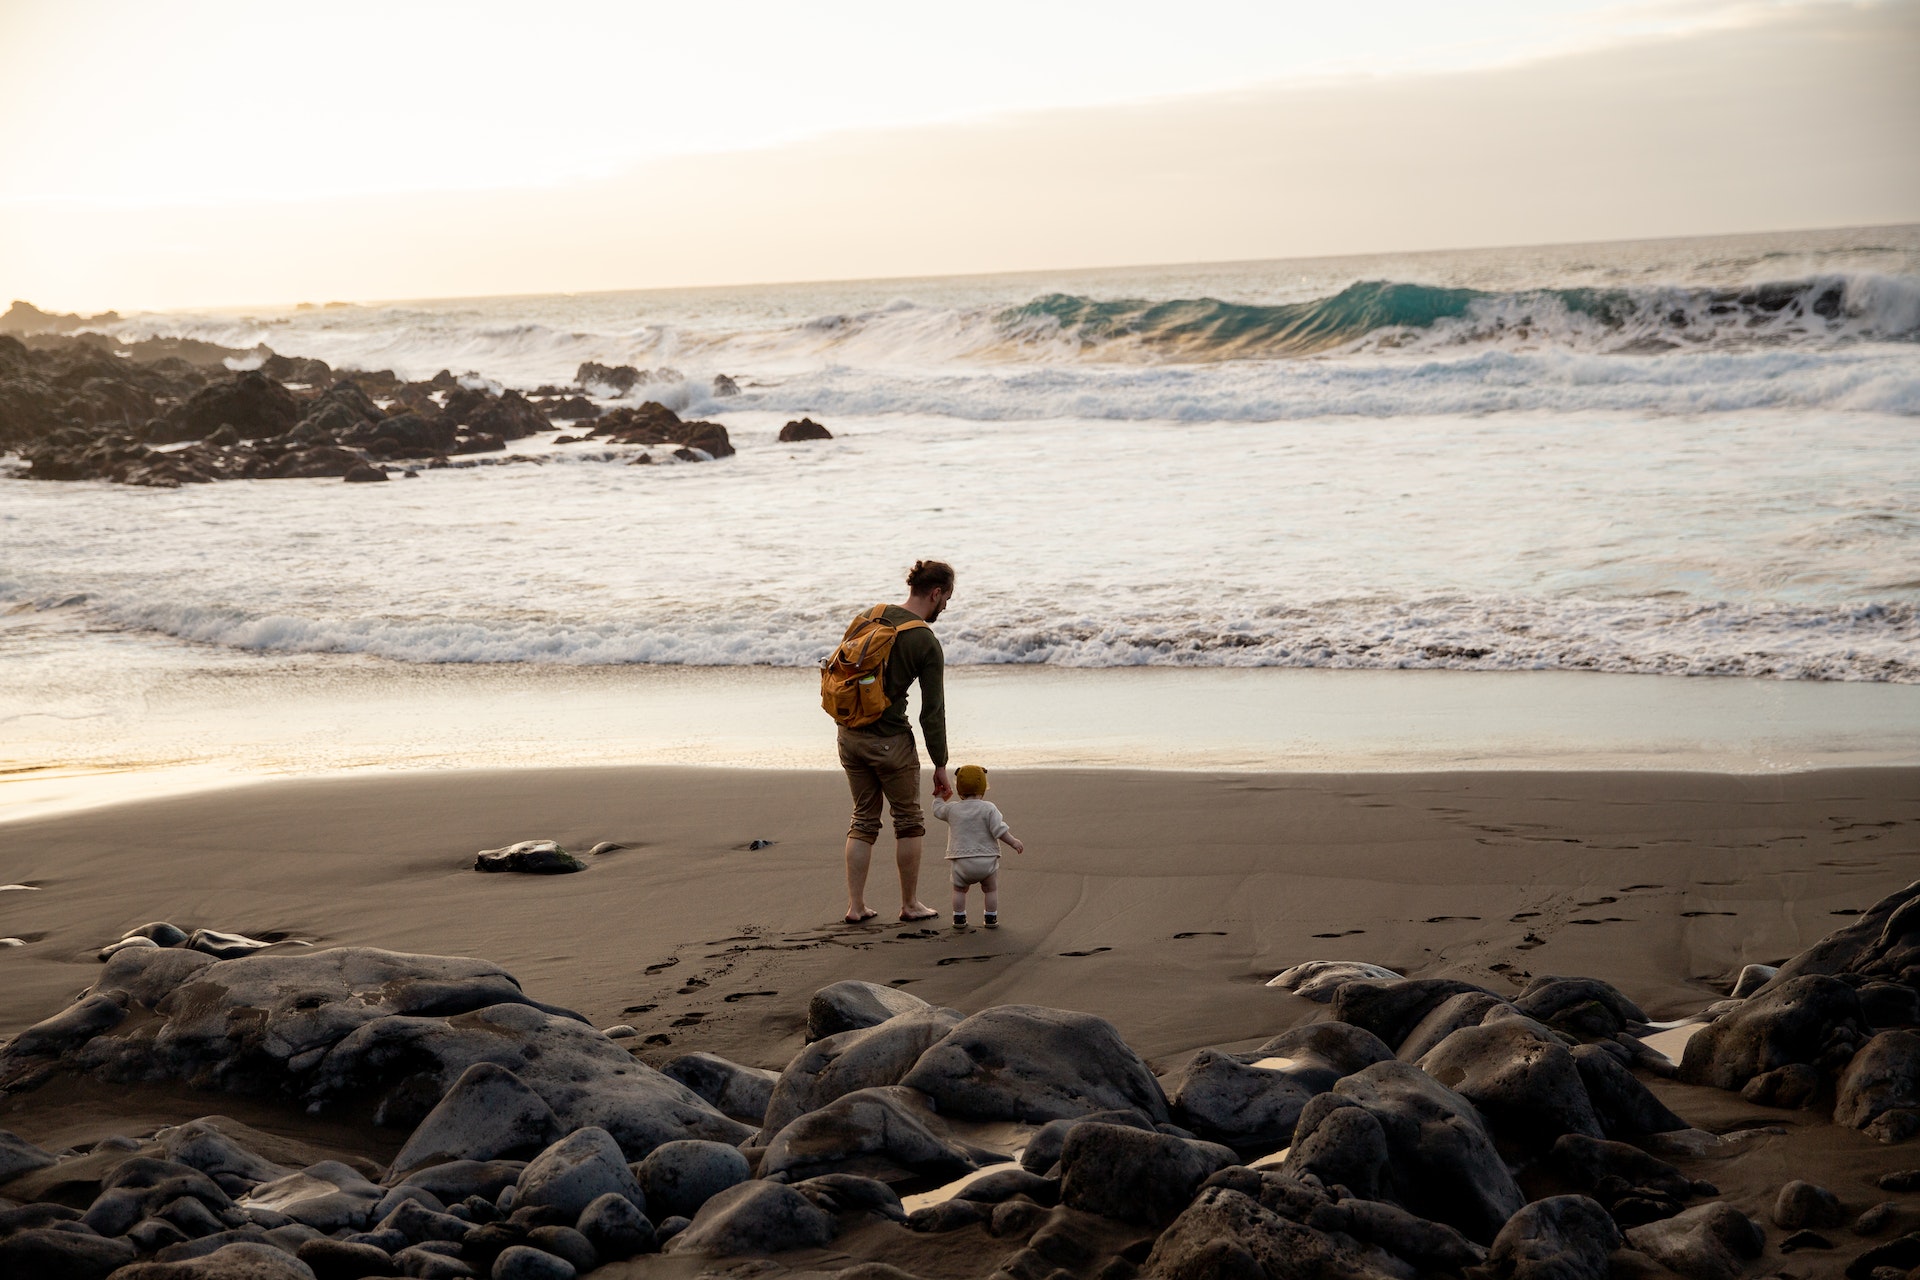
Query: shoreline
{"x": 161, "y": 727}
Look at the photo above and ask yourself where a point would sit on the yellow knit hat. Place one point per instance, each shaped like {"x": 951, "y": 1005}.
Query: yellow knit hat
{"x": 970, "y": 780}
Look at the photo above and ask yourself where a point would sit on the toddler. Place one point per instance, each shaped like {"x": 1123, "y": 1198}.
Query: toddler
{"x": 975, "y": 831}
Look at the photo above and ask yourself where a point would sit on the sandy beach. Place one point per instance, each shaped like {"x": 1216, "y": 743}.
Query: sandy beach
{"x": 1160, "y": 901}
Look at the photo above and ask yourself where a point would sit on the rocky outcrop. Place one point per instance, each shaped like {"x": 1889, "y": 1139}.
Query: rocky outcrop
{"x": 803, "y": 429}
{"x": 1810, "y": 1019}
{"x": 1022, "y": 1062}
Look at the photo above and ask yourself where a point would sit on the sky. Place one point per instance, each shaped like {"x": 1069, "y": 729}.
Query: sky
{"x": 204, "y": 154}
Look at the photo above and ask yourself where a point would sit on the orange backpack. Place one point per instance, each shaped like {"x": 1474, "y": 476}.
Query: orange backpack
{"x": 853, "y": 677}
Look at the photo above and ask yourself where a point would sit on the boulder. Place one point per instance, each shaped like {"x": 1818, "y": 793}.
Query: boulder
{"x": 755, "y": 1217}
{"x": 1589, "y": 1164}
{"x": 1132, "y": 1176}
{"x": 1043, "y": 1149}
{"x": 1340, "y": 1143}
{"x": 1558, "y": 1238}
{"x": 894, "y": 1125}
{"x": 224, "y": 946}
{"x": 611, "y": 380}
{"x": 1391, "y": 1009}
{"x": 364, "y": 473}
{"x": 566, "y": 1243}
{"x": 244, "y": 1261}
{"x": 737, "y": 1091}
{"x": 1467, "y": 1009}
{"x": 1524, "y": 1083}
{"x": 457, "y": 1180}
{"x": 866, "y": 1058}
{"x": 1752, "y": 978}
{"x": 18, "y": 1156}
{"x": 1879, "y": 1091}
{"x": 679, "y": 1177}
{"x": 523, "y": 1262}
{"x": 615, "y": 1228}
{"x": 1708, "y": 1242}
{"x": 1579, "y": 1006}
{"x": 576, "y": 1171}
{"x": 1792, "y": 1019}
{"x": 253, "y": 404}
{"x": 327, "y": 1196}
{"x": 1227, "y": 1235}
{"x": 723, "y": 386}
{"x": 62, "y": 1255}
{"x": 488, "y": 1114}
{"x": 1802, "y": 1204}
{"x": 409, "y": 1063}
{"x": 200, "y": 1144}
{"x": 1254, "y": 1099}
{"x": 330, "y": 1259}
{"x": 529, "y": 857}
{"x": 1319, "y": 979}
{"x": 1441, "y": 1162}
{"x": 1626, "y": 1108}
{"x": 1021, "y": 1062}
{"x": 1884, "y": 943}
{"x": 802, "y": 429}
{"x": 851, "y": 1005}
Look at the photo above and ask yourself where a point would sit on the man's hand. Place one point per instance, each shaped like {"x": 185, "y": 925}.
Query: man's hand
{"x": 942, "y": 787}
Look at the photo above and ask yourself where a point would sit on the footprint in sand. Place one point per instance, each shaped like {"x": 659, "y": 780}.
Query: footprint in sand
{"x": 1094, "y": 952}
{"x": 964, "y": 959}
{"x": 1688, "y": 915}
{"x": 1601, "y": 920}
{"x": 1598, "y": 902}
{"x": 640, "y": 1008}
{"x": 1636, "y": 887}
{"x": 1518, "y": 916}
{"x": 901, "y": 982}
{"x": 688, "y": 1020}
{"x": 748, "y": 995}
{"x": 1847, "y": 911}
{"x": 1444, "y": 919}
{"x": 658, "y": 1038}
{"x": 911, "y": 934}
{"x": 1345, "y": 933}
{"x": 1530, "y": 942}
{"x": 664, "y": 964}
{"x": 693, "y": 984}
{"x": 1202, "y": 933}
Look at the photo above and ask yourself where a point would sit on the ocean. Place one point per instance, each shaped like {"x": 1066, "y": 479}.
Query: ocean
{"x": 1688, "y": 457}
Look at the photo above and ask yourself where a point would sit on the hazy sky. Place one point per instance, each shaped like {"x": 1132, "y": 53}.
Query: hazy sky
{"x": 231, "y": 153}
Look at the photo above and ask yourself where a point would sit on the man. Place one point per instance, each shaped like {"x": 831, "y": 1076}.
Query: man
{"x": 880, "y": 758}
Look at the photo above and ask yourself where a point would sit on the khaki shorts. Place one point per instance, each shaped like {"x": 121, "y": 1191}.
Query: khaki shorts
{"x": 880, "y": 768}
{"x": 973, "y": 868}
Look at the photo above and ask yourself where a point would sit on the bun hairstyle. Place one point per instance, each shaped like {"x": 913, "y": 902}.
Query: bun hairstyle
{"x": 930, "y": 575}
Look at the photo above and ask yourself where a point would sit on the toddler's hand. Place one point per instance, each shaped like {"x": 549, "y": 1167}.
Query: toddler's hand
{"x": 1018, "y": 846}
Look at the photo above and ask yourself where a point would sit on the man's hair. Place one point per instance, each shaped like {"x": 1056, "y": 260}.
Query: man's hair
{"x": 930, "y": 575}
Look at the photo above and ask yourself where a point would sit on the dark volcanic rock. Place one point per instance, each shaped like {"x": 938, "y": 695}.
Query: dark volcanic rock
{"x": 737, "y": 1091}
{"x": 1525, "y": 1083}
{"x": 1391, "y": 1009}
{"x": 1231, "y": 1098}
{"x": 615, "y": 1228}
{"x": 1882, "y": 943}
{"x": 1022, "y": 1062}
{"x": 804, "y": 429}
{"x": 1626, "y": 1108}
{"x": 616, "y": 379}
{"x": 577, "y": 1170}
{"x": 1805, "y": 1019}
{"x": 487, "y": 1114}
{"x": 1467, "y": 1009}
{"x": 62, "y": 1255}
{"x": 679, "y": 1177}
{"x": 529, "y": 857}
{"x": 652, "y": 423}
{"x": 1441, "y": 1162}
{"x": 1708, "y": 1242}
{"x": 1227, "y": 1235}
{"x": 1123, "y": 1173}
{"x": 1880, "y": 1089}
{"x": 1559, "y": 1238}
{"x": 755, "y": 1217}
{"x": 1579, "y": 1006}
{"x": 251, "y": 403}
{"x": 852, "y": 1004}
{"x": 893, "y": 1125}
{"x": 1802, "y": 1204}
{"x": 723, "y": 386}
{"x": 863, "y": 1059}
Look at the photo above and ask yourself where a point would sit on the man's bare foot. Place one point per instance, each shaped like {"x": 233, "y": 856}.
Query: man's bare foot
{"x": 861, "y": 916}
{"x": 918, "y": 911}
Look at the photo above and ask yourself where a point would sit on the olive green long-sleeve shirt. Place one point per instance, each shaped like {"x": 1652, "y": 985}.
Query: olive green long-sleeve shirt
{"x": 916, "y": 656}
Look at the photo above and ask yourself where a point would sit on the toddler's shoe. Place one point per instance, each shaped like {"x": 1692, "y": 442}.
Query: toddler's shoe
{"x": 991, "y": 919}
{"x": 959, "y": 919}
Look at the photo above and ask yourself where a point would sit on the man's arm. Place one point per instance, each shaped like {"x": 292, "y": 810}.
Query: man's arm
{"x": 933, "y": 702}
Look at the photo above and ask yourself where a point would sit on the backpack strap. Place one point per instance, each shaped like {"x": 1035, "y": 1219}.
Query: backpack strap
{"x": 909, "y": 626}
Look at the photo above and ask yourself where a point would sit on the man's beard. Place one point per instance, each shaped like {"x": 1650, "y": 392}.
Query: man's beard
{"x": 938, "y": 609}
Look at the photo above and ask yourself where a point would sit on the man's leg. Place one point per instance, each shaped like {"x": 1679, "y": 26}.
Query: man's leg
{"x": 859, "y": 858}
{"x": 864, "y": 782}
{"x": 908, "y": 857}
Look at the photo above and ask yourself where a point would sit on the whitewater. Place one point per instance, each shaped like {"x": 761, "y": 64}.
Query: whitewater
{"x": 1690, "y": 457}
